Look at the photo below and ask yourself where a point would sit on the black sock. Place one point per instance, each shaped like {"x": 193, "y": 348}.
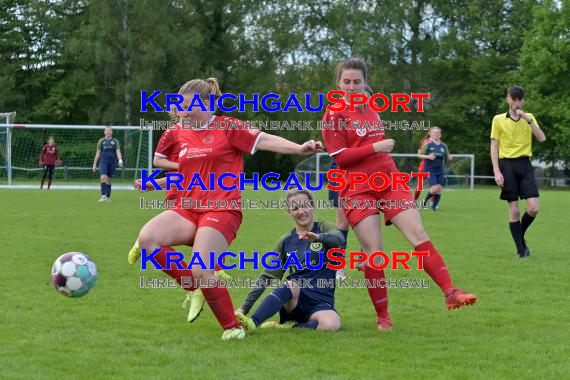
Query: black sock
{"x": 436, "y": 199}
{"x": 103, "y": 188}
{"x": 271, "y": 304}
{"x": 108, "y": 191}
{"x": 526, "y": 221}
{"x": 516, "y": 231}
{"x": 428, "y": 196}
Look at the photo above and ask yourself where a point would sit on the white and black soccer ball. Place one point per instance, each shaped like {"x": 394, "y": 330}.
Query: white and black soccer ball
{"x": 74, "y": 274}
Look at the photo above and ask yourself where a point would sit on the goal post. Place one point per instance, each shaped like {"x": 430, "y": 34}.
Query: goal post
{"x": 459, "y": 172}
{"x": 21, "y": 146}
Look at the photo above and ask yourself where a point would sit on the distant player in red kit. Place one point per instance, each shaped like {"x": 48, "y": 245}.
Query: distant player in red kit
{"x": 365, "y": 150}
{"x": 166, "y": 157}
{"x": 48, "y": 159}
{"x": 421, "y": 168}
{"x": 210, "y": 146}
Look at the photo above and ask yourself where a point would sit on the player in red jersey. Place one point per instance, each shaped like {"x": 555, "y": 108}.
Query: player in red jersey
{"x": 212, "y": 145}
{"x": 166, "y": 157}
{"x": 365, "y": 150}
{"x": 48, "y": 159}
{"x": 421, "y": 167}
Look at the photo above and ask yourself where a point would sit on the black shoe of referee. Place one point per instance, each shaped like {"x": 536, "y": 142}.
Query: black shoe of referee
{"x": 525, "y": 252}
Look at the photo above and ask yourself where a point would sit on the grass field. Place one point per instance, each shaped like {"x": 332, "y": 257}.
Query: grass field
{"x": 518, "y": 329}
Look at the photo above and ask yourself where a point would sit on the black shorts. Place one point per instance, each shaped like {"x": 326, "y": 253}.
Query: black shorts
{"x": 306, "y": 306}
{"x": 333, "y": 194}
{"x": 48, "y": 169}
{"x": 518, "y": 175}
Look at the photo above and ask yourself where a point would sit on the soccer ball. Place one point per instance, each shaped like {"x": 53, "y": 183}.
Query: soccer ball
{"x": 74, "y": 274}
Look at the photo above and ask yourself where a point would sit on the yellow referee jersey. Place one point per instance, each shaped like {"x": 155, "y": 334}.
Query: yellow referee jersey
{"x": 514, "y": 137}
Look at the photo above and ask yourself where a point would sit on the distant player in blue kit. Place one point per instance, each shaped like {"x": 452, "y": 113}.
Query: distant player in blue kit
{"x": 435, "y": 153}
{"x": 303, "y": 307}
{"x": 108, "y": 151}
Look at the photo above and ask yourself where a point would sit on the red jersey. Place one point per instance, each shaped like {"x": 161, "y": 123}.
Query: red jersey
{"x": 349, "y": 131}
{"x": 49, "y": 155}
{"x": 218, "y": 151}
{"x": 168, "y": 146}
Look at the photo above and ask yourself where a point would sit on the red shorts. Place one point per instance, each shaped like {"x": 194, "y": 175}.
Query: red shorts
{"x": 391, "y": 204}
{"x": 225, "y": 222}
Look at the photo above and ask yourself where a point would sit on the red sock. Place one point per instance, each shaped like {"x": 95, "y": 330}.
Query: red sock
{"x": 417, "y": 194}
{"x": 221, "y": 304}
{"x": 378, "y": 295}
{"x": 435, "y": 266}
{"x": 218, "y": 268}
{"x": 174, "y": 272}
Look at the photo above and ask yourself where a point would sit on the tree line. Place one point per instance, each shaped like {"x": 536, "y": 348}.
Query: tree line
{"x": 86, "y": 61}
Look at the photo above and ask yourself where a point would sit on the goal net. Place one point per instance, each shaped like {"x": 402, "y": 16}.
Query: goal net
{"x": 459, "y": 172}
{"x": 21, "y": 146}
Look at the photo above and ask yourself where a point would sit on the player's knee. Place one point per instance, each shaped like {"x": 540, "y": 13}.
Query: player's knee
{"x": 533, "y": 210}
{"x": 515, "y": 214}
{"x": 328, "y": 325}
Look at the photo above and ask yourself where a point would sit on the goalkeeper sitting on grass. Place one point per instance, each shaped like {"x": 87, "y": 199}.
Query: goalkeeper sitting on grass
{"x": 304, "y": 307}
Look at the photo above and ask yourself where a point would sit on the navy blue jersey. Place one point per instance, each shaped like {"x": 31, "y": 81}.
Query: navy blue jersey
{"x": 440, "y": 151}
{"x": 108, "y": 148}
{"x": 329, "y": 237}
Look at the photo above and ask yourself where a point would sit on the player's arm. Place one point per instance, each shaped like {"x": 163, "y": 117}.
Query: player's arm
{"x": 344, "y": 155}
{"x": 449, "y": 156}
{"x": 57, "y": 156}
{"x": 278, "y": 144}
{"x": 329, "y": 235}
{"x": 536, "y": 131}
{"x": 42, "y": 154}
{"x": 424, "y": 155}
{"x": 138, "y": 184}
{"x": 119, "y": 155}
{"x": 164, "y": 163}
{"x": 97, "y": 155}
{"x": 263, "y": 281}
{"x": 495, "y": 138}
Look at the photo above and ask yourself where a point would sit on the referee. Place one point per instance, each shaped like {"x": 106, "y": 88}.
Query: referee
{"x": 511, "y": 149}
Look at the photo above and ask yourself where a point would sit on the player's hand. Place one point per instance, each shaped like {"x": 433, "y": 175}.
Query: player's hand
{"x": 499, "y": 180}
{"x": 385, "y": 146}
{"x": 138, "y": 185}
{"x": 121, "y": 163}
{"x": 308, "y": 235}
{"x": 94, "y": 169}
{"x": 449, "y": 157}
{"x": 431, "y": 156}
{"x": 310, "y": 147}
{"x": 521, "y": 113}
{"x": 41, "y": 164}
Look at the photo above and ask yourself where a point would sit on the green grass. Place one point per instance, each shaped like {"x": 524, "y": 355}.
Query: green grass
{"x": 518, "y": 328}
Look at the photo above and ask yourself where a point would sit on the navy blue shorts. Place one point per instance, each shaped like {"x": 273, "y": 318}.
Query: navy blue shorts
{"x": 436, "y": 178}
{"x": 333, "y": 194}
{"x": 107, "y": 167}
{"x": 307, "y": 305}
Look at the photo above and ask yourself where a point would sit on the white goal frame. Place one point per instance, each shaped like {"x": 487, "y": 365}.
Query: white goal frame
{"x": 9, "y": 126}
{"x": 319, "y": 168}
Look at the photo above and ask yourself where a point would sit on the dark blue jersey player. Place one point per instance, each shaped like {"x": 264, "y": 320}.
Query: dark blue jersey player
{"x": 109, "y": 155}
{"x": 308, "y": 297}
{"x": 435, "y": 153}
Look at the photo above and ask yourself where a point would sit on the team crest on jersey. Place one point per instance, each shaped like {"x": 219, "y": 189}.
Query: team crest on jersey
{"x": 361, "y": 132}
{"x": 316, "y": 246}
{"x": 208, "y": 140}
